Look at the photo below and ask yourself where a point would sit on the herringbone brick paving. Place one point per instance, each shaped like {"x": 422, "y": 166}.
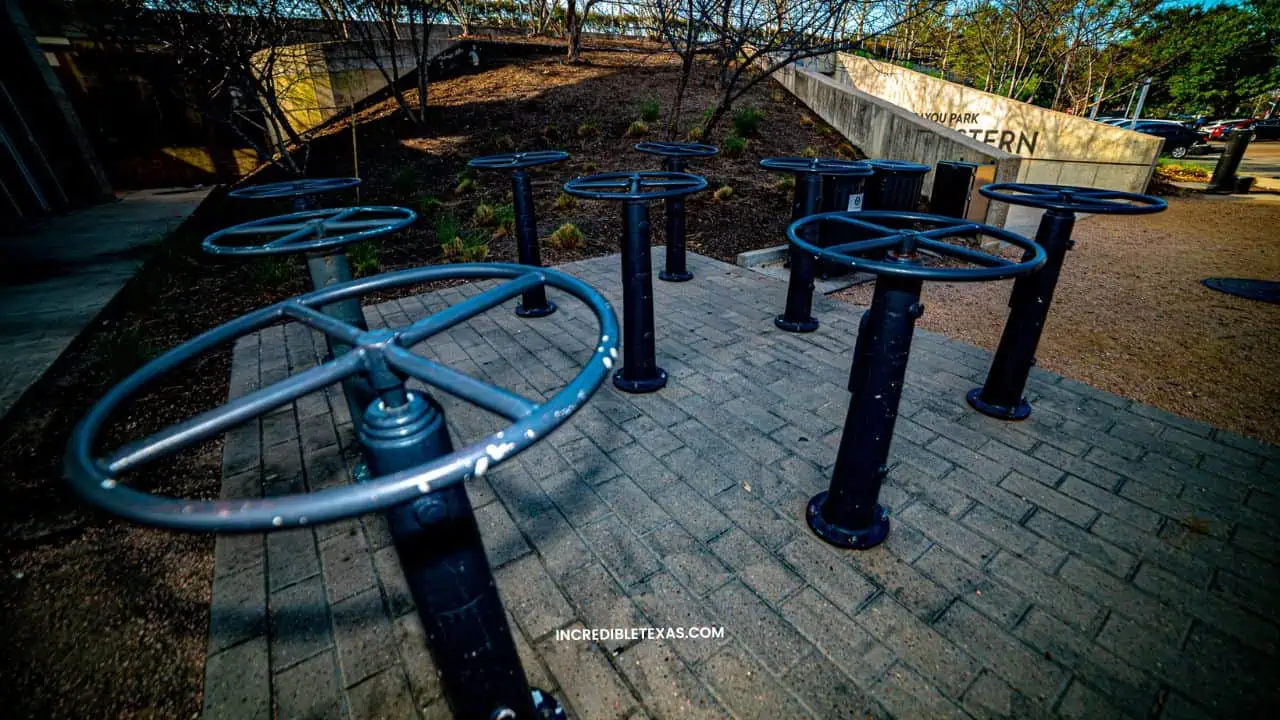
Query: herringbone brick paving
{"x": 1101, "y": 559}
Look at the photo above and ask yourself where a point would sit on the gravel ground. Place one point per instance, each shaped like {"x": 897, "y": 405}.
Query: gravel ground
{"x": 1130, "y": 315}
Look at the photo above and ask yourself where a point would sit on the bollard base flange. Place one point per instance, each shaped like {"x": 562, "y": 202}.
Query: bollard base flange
{"x": 848, "y": 538}
{"x": 649, "y": 384}
{"x": 536, "y": 312}
{"x": 546, "y": 707}
{"x": 1021, "y": 411}
{"x": 675, "y": 277}
{"x": 803, "y": 326}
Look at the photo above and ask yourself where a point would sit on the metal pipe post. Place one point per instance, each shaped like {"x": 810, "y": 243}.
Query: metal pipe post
{"x": 639, "y": 372}
{"x": 440, "y": 550}
{"x": 848, "y": 514}
{"x": 1223, "y": 181}
{"x": 676, "y": 269}
{"x": 1001, "y": 396}
{"x": 534, "y": 303}
{"x": 332, "y": 269}
{"x": 798, "y": 315}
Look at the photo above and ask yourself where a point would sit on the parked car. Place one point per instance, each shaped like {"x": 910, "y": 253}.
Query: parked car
{"x": 1268, "y": 129}
{"x": 1219, "y": 130}
{"x": 1179, "y": 140}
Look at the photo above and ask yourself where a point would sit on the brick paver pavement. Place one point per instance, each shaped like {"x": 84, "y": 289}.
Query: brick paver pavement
{"x": 1101, "y": 559}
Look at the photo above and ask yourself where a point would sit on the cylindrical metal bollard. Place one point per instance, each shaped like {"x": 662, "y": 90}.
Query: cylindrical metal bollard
{"x": 1223, "y": 181}
{"x": 952, "y": 188}
{"x": 676, "y": 157}
{"x": 895, "y": 185}
{"x": 639, "y": 372}
{"x": 534, "y": 303}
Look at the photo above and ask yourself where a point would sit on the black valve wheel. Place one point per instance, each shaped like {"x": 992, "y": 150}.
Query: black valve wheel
{"x": 310, "y": 230}
{"x": 635, "y": 186}
{"x": 1074, "y": 199}
{"x": 293, "y": 188}
{"x": 817, "y": 166}
{"x": 384, "y": 357}
{"x": 901, "y": 239}
{"x": 511, "y": 161}
{"x": 677, "y": 149}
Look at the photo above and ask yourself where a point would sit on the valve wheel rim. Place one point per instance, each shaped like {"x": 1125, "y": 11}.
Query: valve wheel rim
{"x": 635, "y": 186}
{"x": 95, "y": 478}
{"x": 293, "y": 188}
{"x": 1072, "y": 198}
{"x": 677, "y": 149}
{"x": 820, "y": 166}
{"x": 906, "y": 242}
{"x": 510, "y": 161}
{"x": 300, "y": 231}
{"x": 899, "y": 166}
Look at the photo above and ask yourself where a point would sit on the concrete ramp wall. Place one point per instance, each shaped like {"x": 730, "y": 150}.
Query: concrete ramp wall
{"x": 885, "y": 131}
{"x": 1055, "y": 147}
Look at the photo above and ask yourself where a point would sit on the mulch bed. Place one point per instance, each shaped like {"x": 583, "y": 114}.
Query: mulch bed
{"x": 105, "y": 619}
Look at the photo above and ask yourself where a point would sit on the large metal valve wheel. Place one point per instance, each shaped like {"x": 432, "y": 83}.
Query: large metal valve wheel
{"x": 894, "y": 246}
{"x": 310, "y": 231}
{"x": 384, "y": 356}
{"x": 635, "y": 186}
{"x": 1074, "y": 199}
{"x": 682, "y": 150}
{"x": 816, "y": 166}
{"x": 512, "y": 161}
{"x": 302, "y": 192}
{"x": 417, "y": 476}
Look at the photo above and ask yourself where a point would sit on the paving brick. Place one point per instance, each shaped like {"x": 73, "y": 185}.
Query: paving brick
{"x": 754, "y": 517}
{"x": 988, "y": 493}
{"x": 310, "y": 689}
{"x": 696, "y": 515}
{"x": 587, "y": 680}
{"x": 291, "y": 557}
{"x": 299, "y": 622}
{"x": 590, "y": 462}
{"x": 665, "y": 684}
{"x": 1148, "y": 648}
{"x": 829, "y": 693}
{"x": 907, "y": 636}
{"x": 576, "y": 500}
{"x": 365, "y": 640}
{"x": 385, "y": 695}
{"x": 757, "y": 626}
{"x": 687, "y": 560}
{"x": 1049, "y": 499}
{"x": 625, "y": 554}
{"x": 747, "y": 689}
{"x": 827, "y": 571}
{"x": 420, "y": 670}
{"x": 907, "y": 694}
{"x": 755, "y": 565}
{"x": 1226, "y": 617}
{"x": 845, "y": 643}
{"x": 668, "y": 604}
{"x": 502, "y": 539}
{"x": 561, "y": 549}
{"x": 348, "y": 566}
{"x": 1123, "y": 597}
{"x": 531, "y": 597}
{"x": 600, "y": 601}
{"x": 948, "y": 533}
{"x": 991, "y": 697}
{"x": 1226, "y": 677}
{"x": 701, "y": 476}
{"x": 237, "y": 683}
{"x": 1093, "y": 548}
{"x": 938, "y": 495}
{"x": 1082, "y": 702}
{"x": 235, "y": 553}
{"x": 1015, "y": 538}
{"x": 633, "y": 505}
{"x": 239, "y": 609}
{"x": 1046, "y": 592}
{"x": 981, "y": 592}
{"x": 1110, "y": 503}
{"x": 997, "y": 649}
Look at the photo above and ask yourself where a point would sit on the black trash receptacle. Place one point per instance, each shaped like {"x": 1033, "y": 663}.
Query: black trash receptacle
{"x": 952, "y": 187}
{"x": 840, "y": 193}
{"x": 894, "y": 185}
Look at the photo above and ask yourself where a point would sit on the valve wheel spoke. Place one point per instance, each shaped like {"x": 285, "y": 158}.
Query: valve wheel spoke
{"x": 976, "y": 257}
{"x": 326, "y": 324}
{"x": 214, "y": 422}
{"x": 469, "y": 308}
{"x": 862, "y": 246}
{"x": 312, "y": 230}
{"x": 490, "y": 397}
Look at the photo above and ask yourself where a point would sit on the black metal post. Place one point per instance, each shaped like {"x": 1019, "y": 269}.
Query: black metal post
{"x": 848, "y": 514}
{"x": 639, "y": 372}
{"x": 952, "y": 186}
{"x": 676, "y": 269}
{"x": 534, "y": 303}
{"x": 798, "y": 315}
{"x": 1223, "y": 181}
{"x": 331, "y": 269}
{"x": 1001, "y": 396}
{"x": 440, "y": 550}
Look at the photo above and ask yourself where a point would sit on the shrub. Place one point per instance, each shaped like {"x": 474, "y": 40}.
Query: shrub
{"x": 806, "y": 120}
{"x": 565, "y": 201}
{"x": 566, "y": 237}
{"x": 406, "y": 180}
{"x": 778, "y": 96}
{"x": 637, "y": 128}
{"x": 734, "y": 146}
{"x": 447, "y": 227}
{"x": 786, "y": 184}
{"x": 452, "y": 249}
{"x": 270, "y": 272}
{"x": 747, "y": 121}
{"x": 364, "y": 258}
{"x": 467, "y": 185}
{"x": 475, "y": 248}
{"x": 429, "y": 205}
{"x": 809, "y": 152}
{"x": 550, "y": 132}
{"x": 826, "y": 131}
{"x": 587, "y": 130}
{"x": 505, "y": 217}
{"x": 505, "y": 143}
{"x": 483, "y": 216}
{"x": 696, "y": 134}
{"x": 847, "y": 151}
{"x": 650, "y": 110}
{"x": 723, "y": 193}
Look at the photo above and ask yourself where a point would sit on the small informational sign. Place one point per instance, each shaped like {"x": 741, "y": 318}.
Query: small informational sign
{"x": 855, "y": 203}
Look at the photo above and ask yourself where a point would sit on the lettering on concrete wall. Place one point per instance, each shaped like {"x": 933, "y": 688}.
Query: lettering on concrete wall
{"x": 1017, "y": 142}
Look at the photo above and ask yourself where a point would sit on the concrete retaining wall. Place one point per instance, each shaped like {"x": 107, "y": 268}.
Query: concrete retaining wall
{"x": 1055, "y": 147}
{"x": 885, "y": 131}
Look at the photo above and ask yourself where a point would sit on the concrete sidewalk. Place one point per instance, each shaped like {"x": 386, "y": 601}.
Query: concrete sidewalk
{"x": 54, "y": 279}
{"x": 1102, "y": 559}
